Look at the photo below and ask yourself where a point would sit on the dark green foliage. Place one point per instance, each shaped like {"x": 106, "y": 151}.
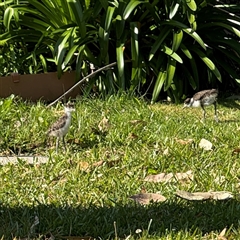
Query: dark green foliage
{"x": 174, "y": 46}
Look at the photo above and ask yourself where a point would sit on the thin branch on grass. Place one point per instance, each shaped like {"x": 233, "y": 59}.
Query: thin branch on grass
{"x": 84, "y": 79}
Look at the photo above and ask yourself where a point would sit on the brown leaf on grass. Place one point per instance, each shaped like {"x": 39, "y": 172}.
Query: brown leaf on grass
{"x": 98, "y": 164}
{"x": 146, "y": 198}
{"x": 236, "y": 151}
{"x": 205, "y": 144}
{"x": 163, "y": 177}
{"x": 133, "y": 136}
{"x": 193, "y": 196}
{"x": 136, "y": 122}
{"x": 184, "y": 177}
{"x": 184, "y": 142}
{"x": 143, "y": 189}
{"x": 222, "y": 234}
{"x": 108, "y": 163}
{"x": 104, "y": 124}
{"x": 222, "y": 195}
{"x": 200, "y": 196}
{"x": 84, "y": 166}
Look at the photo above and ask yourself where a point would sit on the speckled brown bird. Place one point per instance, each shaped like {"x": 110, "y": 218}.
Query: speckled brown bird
{"x": 60, "y": 128}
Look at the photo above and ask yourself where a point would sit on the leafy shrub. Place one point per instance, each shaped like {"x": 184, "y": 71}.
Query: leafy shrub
{"x": 174, "y": 46}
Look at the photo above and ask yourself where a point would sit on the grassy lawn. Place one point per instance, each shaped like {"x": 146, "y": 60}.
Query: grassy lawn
{"x": 85, "y": 191}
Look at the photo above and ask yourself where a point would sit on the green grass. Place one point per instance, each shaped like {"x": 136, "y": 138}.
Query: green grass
{"x": 69, "y": 200}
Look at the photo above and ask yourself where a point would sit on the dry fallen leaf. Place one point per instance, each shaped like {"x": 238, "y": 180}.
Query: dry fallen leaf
{"x": 183, "y": 177}
{"x": 184, "y": 142}
{"x": 222, "y": 234}
{"x": 205, "y": 144}
{"x": 136, "y": 122}
{"x": 236, "y": 151}
{"x": 98, "y": 164}
{"x": 104, "y": 124}
{"x": 133, "y": 136}
{"x": 143, "y": 189}
{"x": 108, "y": 163}
{"x": 193, "y": 196}
{"x": 163, "y": 177}
{"x": 221, "y": 195}
{"x": 199, "y": 196}
{"x": 146, "y": 198}
{"x": 84, "y": 166}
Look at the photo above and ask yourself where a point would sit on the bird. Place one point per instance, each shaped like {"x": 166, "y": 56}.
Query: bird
{"x": 203, "y": 98}
{"x": 60, "y": 128}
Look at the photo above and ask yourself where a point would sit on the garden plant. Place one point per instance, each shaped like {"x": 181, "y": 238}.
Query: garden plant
{"x": 173, "y": 46}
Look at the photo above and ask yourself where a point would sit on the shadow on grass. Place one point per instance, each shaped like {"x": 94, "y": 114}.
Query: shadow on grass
{"x": 229, "y": 103}
{"x": 229, "y": 121}
{"x": 30, "y": 148}
{"x": 198, "y": 217}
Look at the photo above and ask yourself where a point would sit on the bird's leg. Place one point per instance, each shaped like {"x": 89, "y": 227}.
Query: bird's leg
{"x": 204, "y": 112}
{"x": 64, "y": 144}
{"x": 57, "y": 140}
{"x": 215, "y": 111}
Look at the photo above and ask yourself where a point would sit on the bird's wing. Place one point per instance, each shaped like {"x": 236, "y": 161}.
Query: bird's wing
{"x": 58, "y": 124}
{"x": 205, "y": 93}
{"x": 214, "y": 91}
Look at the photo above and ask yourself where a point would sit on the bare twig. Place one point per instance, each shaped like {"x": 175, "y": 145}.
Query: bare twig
{"x": 84, "y": 79}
